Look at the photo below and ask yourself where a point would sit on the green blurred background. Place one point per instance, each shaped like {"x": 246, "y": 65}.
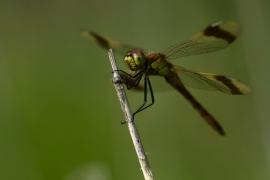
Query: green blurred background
{"x": 59, "y": 118}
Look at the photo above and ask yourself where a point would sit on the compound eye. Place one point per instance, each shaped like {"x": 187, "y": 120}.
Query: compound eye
{"x": 135, "y": 60}
{"x": 139, "y": 58}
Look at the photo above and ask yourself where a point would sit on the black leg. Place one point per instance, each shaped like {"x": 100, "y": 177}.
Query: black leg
{"x": 152, "y": 96}
{"x": 136, "y": 78}
{"x": 135, "y": 83}
{"x": 145, "y": 97}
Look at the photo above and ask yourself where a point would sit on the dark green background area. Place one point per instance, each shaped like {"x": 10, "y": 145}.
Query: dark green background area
{"x": 60, "y": 119}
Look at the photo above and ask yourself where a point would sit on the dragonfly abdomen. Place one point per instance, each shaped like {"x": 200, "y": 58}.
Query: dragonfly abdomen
{"x": 174, "y": 80}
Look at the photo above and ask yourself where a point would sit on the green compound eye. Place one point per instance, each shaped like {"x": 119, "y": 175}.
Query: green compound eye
{"x": 139, "y": 58}
{"x": 135, "y": 60}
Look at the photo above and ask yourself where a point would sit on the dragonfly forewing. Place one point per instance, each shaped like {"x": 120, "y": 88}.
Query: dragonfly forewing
{"x": 108, "y": 43}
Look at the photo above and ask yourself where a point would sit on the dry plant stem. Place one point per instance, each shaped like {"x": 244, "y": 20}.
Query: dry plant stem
{"x": 145, "y": 166}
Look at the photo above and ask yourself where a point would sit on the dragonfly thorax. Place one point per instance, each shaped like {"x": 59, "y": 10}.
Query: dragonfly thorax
{"x": 135, "y": 60}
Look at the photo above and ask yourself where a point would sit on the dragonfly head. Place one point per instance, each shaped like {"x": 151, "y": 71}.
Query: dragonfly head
{"x": 135, "y": 60}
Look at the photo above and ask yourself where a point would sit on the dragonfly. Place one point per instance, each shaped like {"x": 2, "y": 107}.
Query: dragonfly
{"x": 144, "y": 63}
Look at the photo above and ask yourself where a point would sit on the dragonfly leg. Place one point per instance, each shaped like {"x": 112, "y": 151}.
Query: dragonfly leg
{"x": 141, "y": 108}
{"x": 137, "y": 78}
{"x": 135, "y": 83}
{"x": 144, "y": 100}
{"x": 146, "y": 83}
{"x": 133, "y": 76}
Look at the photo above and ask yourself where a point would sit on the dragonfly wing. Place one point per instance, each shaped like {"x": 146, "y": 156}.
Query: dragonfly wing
{"x": 108, "y": 43}
{"x": 215, "y": 37}
{"x": 207, "y": 81}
